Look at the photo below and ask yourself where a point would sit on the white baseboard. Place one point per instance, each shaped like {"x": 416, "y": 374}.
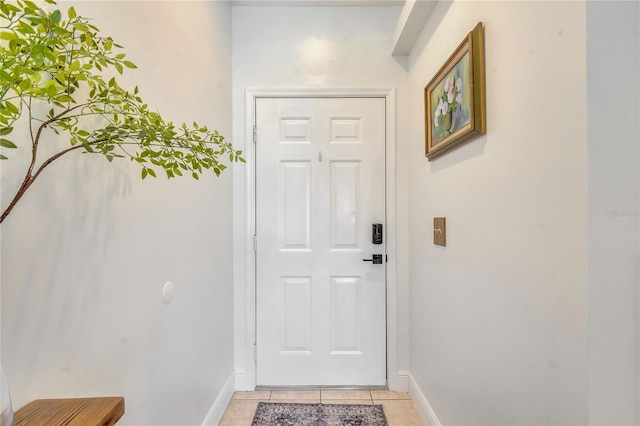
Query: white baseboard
{"x": 241, "y": 381}
{"x": 401, "y": 382}
{"x": 220, "y": 404}
{"x": 424, "y": 408}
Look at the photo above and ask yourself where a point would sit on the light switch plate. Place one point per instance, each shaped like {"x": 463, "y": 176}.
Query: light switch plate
{"x": 440, "y": 231}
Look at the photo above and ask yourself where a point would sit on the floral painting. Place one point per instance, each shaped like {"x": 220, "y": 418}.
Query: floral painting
{"x": 451, "y": 102}
{"x": 455, "y": 98}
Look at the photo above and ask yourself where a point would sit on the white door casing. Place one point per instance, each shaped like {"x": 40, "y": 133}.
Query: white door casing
{"x": 244, "y": 230}
{"x": 320, "y": 185}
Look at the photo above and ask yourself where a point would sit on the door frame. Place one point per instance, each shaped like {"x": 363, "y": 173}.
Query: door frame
{"x": 244, "y": 254}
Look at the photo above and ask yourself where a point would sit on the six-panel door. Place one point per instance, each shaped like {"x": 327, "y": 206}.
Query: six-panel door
{"x": 320, "y": 185}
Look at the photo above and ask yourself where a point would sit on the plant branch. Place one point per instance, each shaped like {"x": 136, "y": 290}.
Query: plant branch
{"x": 30, "y": 178}
{"x": 56, "y": 118}
{"x": 77, "y": 59}
{"x": 61, "y": 153}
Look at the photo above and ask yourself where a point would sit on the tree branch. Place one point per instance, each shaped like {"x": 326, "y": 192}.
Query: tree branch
{"x": 63, "y": 152}
{"x": 29, "y": 178}
{"x": 55, "y": 118}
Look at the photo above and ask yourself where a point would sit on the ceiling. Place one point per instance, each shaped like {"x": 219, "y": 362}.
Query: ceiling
{"x": 344, "y": 3}
{"x": 412, "y": 19}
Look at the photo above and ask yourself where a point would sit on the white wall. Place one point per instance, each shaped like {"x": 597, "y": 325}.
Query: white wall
{"x": 499, "y": 316}
{"x": 316, "y": 47}
{"x": 87, "y": 251}
{"x": 613, "y": 56}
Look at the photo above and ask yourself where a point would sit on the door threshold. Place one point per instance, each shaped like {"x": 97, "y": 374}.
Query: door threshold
{"x": 323, "y": 387}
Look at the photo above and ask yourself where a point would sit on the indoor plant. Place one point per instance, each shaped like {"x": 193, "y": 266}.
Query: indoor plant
{"x": 58, "y": 76}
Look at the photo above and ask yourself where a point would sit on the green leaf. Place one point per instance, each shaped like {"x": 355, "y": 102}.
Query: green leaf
{"x": 56, "y": 16}
{"x": 26, "y": 83}
{"x": 25, "y": 28}
{"x": 5, "y": 130}
{"x": 130, "y": 64}
{"x": 64, "y": 98}
{"x": 51, "y": 89}
{"x": 144, "y": 172}
{"x": 71, "y": 13}
{"x": 11, "y": 107}
{"x": 6, "y": 143}
{"x": 5, "y": 35}
{"x": 2, "y": 157}
{"x": 80, "y": 26}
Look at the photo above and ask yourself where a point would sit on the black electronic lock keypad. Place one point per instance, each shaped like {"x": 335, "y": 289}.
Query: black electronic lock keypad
{"x": 376, "y": 233}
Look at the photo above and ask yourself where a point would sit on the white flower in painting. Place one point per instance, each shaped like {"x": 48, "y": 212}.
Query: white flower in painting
{"x": 438, "y": 113}
{"x": 450, "y": 95}
{"x": 447, "y": 84}
{"x": 449, "y": 102}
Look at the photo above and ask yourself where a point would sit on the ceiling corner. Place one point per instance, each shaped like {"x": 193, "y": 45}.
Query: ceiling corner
{"x": 412, "y": 19}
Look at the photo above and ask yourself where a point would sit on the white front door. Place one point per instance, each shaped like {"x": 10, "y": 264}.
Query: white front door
{"x": 320, "y": 186}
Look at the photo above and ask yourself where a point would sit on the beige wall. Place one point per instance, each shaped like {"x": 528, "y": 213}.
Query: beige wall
{"x": 499, "y": 316}
{"x": 87, "y": 252}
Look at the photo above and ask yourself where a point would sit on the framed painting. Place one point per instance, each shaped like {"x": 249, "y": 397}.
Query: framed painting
{"x": 454, "y": 99}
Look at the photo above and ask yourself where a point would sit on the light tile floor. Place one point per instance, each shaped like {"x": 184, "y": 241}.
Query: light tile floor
{"x": 398, "y": 407}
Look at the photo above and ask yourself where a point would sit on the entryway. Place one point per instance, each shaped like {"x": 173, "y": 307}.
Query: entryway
{"x": 344, "y": 285}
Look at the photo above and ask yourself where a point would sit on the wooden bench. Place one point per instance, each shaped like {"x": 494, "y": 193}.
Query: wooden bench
{"x": 104, "y": 411}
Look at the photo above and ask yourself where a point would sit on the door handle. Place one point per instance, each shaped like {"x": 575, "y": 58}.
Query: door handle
{"x": 377, "y": 259}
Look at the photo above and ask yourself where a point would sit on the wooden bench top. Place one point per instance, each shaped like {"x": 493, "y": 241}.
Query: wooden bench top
{"x": 103, "y": 411}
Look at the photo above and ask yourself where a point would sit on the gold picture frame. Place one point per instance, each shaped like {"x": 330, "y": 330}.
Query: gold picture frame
{"x": 454, "y": 99}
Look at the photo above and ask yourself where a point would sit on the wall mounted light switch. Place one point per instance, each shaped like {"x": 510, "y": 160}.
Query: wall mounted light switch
{"x": 440, "y": 231}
